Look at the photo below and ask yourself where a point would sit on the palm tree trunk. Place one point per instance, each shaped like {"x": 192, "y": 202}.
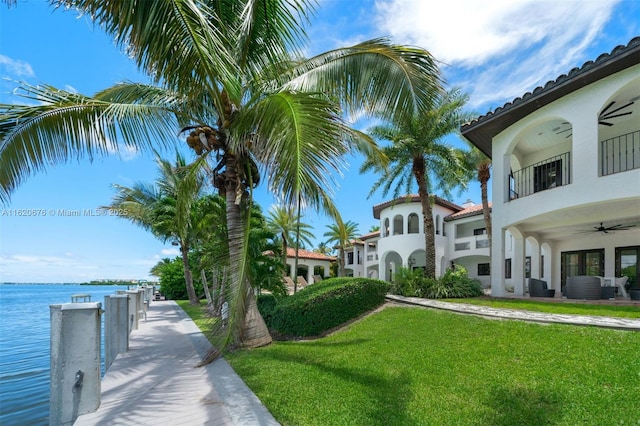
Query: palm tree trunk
{"x": 341, "y": 261}
{"x": 427, "y": 218}
{"x": 484, "y": 174}
{"x": 188, "y": 276}
{"x": 245, "y": 322}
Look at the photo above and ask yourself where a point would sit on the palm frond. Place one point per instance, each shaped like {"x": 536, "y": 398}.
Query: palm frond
{"x": 64, "y": 125}
{"x": 382, "y": 79}
{"x": 180, "y": 43}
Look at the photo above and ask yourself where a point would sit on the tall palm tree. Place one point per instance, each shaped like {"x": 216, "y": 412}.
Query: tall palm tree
{"x": 323, "y": 248}
{"x": 341, "y": 234}
{"x": 283, "y": 221}
{"x": 480, "y": 165}
{"x": 419, "y": 155}
{"x": 230, "y": 74}
{"x": 167, "y": 208}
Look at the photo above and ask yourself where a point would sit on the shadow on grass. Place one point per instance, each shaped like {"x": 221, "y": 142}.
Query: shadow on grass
{"x": 522, "y": 406}
{"x": 383, "y": 399}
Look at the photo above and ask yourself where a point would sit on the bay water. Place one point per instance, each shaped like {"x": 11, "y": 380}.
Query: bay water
{"x": 25, "y": 333}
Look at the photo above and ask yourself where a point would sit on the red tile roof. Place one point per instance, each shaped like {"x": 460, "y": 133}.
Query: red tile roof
{"x": 469, "y": 211}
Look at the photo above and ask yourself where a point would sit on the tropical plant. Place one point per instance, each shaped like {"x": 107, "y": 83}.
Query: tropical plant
{"x": 420, "y": 156}
{"x": 340, "y": 234}
{"x": 229, "y": 73}
{"x": 292, "y": 232}
{"x": 479, "y": 164}
{"x": 167, "y": 208}
{"x": 323, "y": 248}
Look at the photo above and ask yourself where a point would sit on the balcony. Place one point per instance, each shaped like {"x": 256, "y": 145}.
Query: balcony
{"x": 547, "y": 174}
{"x": 620, "y": 154}
{"x": 467, "y": 243}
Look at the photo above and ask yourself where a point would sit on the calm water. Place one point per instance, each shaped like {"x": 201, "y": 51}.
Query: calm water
{"x": 24, "y": 346}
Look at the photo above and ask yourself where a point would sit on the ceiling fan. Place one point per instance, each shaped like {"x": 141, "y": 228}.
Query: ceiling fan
{"x": 606, "y": 229}
{"x": 606, "y": 115}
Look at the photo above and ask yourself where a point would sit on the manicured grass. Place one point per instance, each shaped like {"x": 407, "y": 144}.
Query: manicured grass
{"x": 415, "y": 366}
{"x": 198, "y": 315}
{"x": 554, "y": 307}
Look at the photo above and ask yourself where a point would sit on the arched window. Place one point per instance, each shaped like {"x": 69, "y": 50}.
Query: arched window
{"x": 413, "y": 224}
{"x": 385, "y": 228}
{"x": 438, "y": 225}
{"x": 398, "y": 224}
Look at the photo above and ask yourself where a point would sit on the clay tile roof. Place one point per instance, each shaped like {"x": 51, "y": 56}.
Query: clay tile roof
{"x": 306, "y": 254}
{"x": 482, "y": 130}
{"x": 413, "y": 198}
{"x": 470, "y": 211}
{"x": 370, "y": 235}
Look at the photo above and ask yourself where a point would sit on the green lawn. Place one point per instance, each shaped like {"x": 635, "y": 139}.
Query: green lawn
{"x": 555, "y": 307}
{"x": 415, "y": 366}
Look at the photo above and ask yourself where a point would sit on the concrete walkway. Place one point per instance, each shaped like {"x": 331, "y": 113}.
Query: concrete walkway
{"x": 156, "y": 382}
{"x": 513, "y": 314}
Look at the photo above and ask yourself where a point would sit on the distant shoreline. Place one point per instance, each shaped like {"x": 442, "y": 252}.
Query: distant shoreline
{"x": 101, "y": 283}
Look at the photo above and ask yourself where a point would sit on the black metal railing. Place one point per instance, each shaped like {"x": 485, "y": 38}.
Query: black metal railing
{"x": 546, "y": 174}
{"x": 620, "y": 154}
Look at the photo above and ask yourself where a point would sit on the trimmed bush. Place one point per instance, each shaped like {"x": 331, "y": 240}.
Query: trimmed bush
{"x": 325, "y": 305}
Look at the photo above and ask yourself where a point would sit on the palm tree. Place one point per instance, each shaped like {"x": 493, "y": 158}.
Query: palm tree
{"x": 323, "y": 248}
{"x": 294, "y": 233}
{"x": 167, "y": 208}
{"x": 230, "y": 74}
{"x": 419, "y": 155}
{"x": 480, "y": 165}
{"x": 340, "y": 234}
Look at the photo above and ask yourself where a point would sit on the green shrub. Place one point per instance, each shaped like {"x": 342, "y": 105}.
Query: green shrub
{"x": 455, "y": 283}
{"x": 325, "y": 305}
{"x": 266, "y": 304}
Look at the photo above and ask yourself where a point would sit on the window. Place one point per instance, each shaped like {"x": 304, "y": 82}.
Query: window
{"x": 350, "y": 258}
{"x": 484, "y": 269}
{"x": 541, "y": 266}
{"x": 398, "y": 224}
{"x": 480, "y": 231}
{"x": 527, "y": 267}
{"x": 438, "y": 224}
{"x": 444, "y": 234}
{"x": 413, "y": 224}
{"x": 547, "y": 176}
{"x": 385, "y": 229}
{"x": 507, "y": 268}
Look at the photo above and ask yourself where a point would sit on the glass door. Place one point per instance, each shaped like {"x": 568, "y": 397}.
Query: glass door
{"x": 584, "y": 262}
{"x": 627, "y": 263}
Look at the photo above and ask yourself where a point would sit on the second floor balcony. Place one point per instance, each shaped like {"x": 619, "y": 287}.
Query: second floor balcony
{"x": 547, "y": 174}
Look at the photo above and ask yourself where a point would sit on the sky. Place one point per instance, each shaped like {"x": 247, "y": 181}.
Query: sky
{"x": 495, "y": 51}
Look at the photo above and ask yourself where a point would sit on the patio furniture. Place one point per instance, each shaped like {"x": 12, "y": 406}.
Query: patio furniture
{"x": 607, "y": 292}
{"x": 582, "y": 287}
{"x": 538, "y": 288}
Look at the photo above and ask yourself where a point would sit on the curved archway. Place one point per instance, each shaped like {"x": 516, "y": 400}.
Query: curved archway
{"x": 618, "y": 134}
{"x": 391, "y": 262}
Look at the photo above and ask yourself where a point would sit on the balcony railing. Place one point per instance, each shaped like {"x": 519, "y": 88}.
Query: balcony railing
{"x": 620, "y": 154}
{"x": 546, "y": 174}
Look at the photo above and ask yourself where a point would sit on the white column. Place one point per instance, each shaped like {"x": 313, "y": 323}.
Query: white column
{"x": 517, "y": 265}
{"x": 497, "y": 262}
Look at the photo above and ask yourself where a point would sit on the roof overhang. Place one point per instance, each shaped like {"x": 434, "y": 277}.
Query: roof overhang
{"x": 481, "y": 131}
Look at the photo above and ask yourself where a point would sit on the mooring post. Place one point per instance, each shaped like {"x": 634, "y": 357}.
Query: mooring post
{"x": 134, "y": 297}
{"x": 75, "y": 361}
{"x": 116, "y": 327}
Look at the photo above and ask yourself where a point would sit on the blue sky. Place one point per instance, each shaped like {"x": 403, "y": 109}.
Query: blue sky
{"x": 496, "y": 51}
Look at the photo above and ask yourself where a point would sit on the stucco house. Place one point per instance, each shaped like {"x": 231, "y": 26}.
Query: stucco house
{"x": 309, "y": 264}
{"x": 460, "y": 238}
{"x": 566, "y": 175}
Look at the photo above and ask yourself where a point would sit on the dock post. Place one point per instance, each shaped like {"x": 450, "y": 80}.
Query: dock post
{"x": 75, "y": 361}
{"x": 134, "y": 296}
{"x": 116, "y": 327}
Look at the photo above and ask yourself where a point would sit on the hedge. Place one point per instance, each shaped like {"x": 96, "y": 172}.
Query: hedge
{"x": 322, "y": 306}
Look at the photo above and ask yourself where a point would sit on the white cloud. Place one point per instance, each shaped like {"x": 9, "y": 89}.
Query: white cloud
{"x": 16, "y": 68}
{"x": 170, "y": 252}
{"x": 508, "y": 46}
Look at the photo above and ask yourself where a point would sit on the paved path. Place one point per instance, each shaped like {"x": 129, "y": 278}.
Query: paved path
{"x": 155, "y": 382}
{"x": 513, "y": 314}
